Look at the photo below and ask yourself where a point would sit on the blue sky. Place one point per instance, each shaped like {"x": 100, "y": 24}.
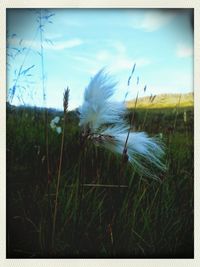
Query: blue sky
{"x": 79, "y": 42}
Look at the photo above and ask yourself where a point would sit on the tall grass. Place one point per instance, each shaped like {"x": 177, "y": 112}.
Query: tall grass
{"x": 145, "y": 218}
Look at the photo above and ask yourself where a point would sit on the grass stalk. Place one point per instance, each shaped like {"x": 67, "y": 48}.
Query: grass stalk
{"x": 46, "y": 134}
{"x": 124, "y": 155}
{"x": 131, "y": 123}
{"x": 65, "y": 105}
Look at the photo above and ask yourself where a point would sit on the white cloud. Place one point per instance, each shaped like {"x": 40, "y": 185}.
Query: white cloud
{"x": 114, "y": 63}
{"x": 84, "y": 59}
{"x": 66, "y": 44}
{"x": 119, "y": 47}
{"x": 103, "y": 55}
{"x": 184, "y": 51}
{"x": 121, "y": 63}
{"x": 117, "y": 59}
{"x": 114, "y": 60}
{"x": 153, "y": 20}
{"x": 124, "y": 63}
{"x": 141, "y": 62}
{"x": 55, "y": 46}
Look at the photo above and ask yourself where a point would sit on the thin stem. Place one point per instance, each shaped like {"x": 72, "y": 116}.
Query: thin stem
{"x": 46, "y": 134}
{"x": 124, "y": 155}
{"x": 44, "y": 96}
{"x": 58, "y": 183}
{"x": 131, "y": 122}
{"x": 65, "y": 101}
{"x": 42, "y": 58}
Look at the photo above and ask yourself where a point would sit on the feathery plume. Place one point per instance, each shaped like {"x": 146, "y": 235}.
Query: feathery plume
{"x": 97, "y": 109}
{"x": 142, "y": 151}
{"x": 104, "y": 124}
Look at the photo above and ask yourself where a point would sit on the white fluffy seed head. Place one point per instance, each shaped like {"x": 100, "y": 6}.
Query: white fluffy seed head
{"x": 97, "y": 109}
{"x": 108, "y": 128}
{"x": 142, "y": 150}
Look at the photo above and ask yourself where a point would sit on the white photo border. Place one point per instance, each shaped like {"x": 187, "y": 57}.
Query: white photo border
{"x": 195, "y": 4}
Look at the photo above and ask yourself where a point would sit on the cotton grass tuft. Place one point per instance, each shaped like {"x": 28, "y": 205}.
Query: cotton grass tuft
{"x": 103, "y": 123}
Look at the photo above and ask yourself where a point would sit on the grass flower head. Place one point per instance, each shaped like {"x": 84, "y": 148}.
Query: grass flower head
{"x": 106, "y": 126}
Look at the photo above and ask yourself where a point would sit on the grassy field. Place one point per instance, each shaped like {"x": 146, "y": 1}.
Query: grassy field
{"x": 163, "y": 101}
{"x": 95, "y": 216}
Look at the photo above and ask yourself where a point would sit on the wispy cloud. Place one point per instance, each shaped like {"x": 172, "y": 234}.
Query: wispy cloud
{"x": 121, "y": 63}
{"x": 66, "y": 44}
{"x": 60, "y": 45}
{"x": 141, "y": 62}
{"x": 103, "y": 55}
{"x": 117, "y": 59}
{"x": 114, "y": 61}
{"x": 119, "y": 46}
{"x": 82, "y": 58}
{"x": 184, "y": 51}
{"x": 153, "y": 20}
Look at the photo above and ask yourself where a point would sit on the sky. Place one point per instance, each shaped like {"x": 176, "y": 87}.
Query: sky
{"x": 77, "y": 43}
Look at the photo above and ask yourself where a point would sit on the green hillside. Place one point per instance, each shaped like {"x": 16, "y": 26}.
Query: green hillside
{"x": 163, "y": 101}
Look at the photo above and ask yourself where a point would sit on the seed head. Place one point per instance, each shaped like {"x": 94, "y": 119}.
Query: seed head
{"x": 66, "y": 99}
{"x": 103, "y": 123}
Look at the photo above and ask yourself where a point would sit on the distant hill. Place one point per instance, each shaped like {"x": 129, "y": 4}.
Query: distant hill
{"x": 163, "y": 101}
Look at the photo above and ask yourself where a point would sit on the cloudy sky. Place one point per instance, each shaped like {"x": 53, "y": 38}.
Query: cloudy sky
{"x": 79, "y": 42}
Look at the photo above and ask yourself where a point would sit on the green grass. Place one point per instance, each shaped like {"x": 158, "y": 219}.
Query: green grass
{"x": 148, "y": 218}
